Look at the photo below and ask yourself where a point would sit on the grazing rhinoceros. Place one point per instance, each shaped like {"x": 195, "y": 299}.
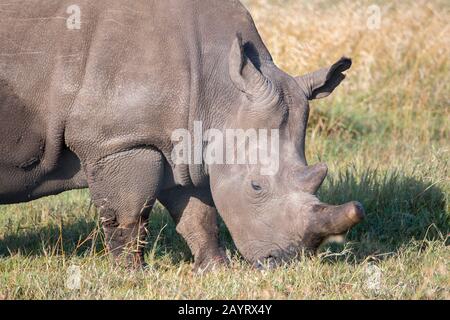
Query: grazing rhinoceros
{"x": 90, "y": 95}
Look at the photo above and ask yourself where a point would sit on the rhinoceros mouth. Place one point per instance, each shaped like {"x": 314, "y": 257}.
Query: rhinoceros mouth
{"x": 282, "y": 256}
{"x": 269, "y": 262}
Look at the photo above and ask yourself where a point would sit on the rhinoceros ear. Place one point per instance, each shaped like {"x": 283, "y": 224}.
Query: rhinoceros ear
{"x": 245, "y": 76}
{"x": 321, "y": 83}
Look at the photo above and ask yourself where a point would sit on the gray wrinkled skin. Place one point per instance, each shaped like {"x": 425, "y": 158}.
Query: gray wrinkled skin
{"x": 96, "y": 107}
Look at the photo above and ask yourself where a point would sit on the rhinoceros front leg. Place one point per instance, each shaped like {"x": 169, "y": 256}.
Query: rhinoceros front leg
{"x": 124, "y": 187}
{"x": 196, "y": 218}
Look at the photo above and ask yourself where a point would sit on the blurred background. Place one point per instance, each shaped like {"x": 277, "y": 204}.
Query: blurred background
{"x": 397, "y": 93}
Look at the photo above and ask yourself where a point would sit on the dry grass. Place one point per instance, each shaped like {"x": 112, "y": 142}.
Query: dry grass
{"x": 384, "y": 133}
{"x": 399, "y": 82}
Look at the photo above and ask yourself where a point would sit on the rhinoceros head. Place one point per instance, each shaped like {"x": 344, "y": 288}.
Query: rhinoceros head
{"x": 274, "y": 216}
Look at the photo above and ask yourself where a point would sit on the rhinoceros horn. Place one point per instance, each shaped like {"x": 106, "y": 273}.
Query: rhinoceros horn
{"x": 310, "y": 178}
{"x": 335, "y": 220}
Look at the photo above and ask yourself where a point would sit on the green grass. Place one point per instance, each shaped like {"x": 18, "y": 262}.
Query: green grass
{"x": 405, "y": 235}
{"x": 384, "y": 134}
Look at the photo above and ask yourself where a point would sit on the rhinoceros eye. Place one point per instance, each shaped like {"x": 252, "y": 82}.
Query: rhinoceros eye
{"x": 256, "y": 186}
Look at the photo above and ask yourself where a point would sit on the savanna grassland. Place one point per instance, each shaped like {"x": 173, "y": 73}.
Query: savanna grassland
{"x": 384, "y": 134}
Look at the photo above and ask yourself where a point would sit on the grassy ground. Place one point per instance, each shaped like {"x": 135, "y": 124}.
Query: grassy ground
{"x": 384, "y": 134}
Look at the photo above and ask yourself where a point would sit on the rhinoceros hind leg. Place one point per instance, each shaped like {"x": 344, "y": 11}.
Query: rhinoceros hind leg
{"x": 124, "y": 187}
{"x": 196, "y": 218}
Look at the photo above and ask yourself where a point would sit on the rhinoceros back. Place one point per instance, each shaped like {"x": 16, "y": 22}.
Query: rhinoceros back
{"x": 127, "y": 73}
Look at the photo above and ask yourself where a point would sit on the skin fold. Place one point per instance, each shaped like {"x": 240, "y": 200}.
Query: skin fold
{"x": 95, "y": 108}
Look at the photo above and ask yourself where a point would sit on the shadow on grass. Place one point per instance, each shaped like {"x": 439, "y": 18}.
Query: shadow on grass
{"x": 399, "y": 209}
{"x": 82, "y": 236}
{"x": 75, "y": 238}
